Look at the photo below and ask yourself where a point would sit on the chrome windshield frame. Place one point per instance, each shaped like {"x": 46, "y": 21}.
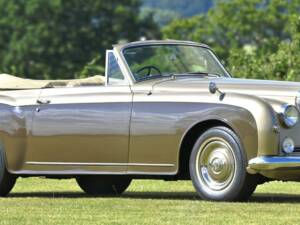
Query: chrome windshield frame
{"x": 120, "y": 49}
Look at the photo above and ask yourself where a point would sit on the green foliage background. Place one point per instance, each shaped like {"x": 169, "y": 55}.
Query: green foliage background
{"x": 57, "y": 38}
{"x": 65, "y": 39}
{"x": 256, "y": 38}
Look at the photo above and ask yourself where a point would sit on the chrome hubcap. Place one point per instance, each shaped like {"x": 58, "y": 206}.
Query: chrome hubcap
{"x": 215, "y": 164}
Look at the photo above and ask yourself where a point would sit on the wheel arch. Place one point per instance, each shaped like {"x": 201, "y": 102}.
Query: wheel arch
{"x": 246, "y": 131}
{"x": 189, "y": 139}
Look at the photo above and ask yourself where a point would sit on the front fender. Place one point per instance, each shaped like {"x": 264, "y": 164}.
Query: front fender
{"x": 252, "y": 118}
{"x": 268, "y": 138}
{"x": 238, "y": 119}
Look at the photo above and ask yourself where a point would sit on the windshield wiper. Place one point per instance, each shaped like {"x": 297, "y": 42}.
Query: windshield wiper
{"x": 204, "y": 74}
{"x": 155, "y": 76}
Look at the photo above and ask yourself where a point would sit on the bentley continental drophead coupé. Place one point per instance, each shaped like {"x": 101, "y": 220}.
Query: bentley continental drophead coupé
{"x": 164, "y": 110}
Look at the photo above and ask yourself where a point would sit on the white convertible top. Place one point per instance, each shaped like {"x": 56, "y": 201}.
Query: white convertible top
{"x": 12, "y": 82}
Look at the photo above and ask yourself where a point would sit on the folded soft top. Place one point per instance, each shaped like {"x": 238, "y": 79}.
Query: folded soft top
{"x": 11, "y": 82}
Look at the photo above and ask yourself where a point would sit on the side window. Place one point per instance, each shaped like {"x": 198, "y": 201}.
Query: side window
{"x": 113, "y": 71}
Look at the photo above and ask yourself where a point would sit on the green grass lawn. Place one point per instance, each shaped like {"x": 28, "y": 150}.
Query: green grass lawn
{"x": 42, "y": 201}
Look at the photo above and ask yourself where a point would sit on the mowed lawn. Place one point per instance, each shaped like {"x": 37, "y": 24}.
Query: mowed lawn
{"x": 44, "y": 201}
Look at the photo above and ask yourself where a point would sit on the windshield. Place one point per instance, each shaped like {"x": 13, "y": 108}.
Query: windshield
{"x": 166, "y": 59}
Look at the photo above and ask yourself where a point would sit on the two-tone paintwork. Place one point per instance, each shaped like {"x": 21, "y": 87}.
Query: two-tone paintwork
{"x": 136, "y": 128}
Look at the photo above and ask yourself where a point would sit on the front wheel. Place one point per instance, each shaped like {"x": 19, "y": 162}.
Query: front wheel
{"x": 103, "y": 185}
{"x": 218, "y": 167}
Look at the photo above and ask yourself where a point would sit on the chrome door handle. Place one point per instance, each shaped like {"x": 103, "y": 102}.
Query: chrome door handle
{"x": 43, "y": 101}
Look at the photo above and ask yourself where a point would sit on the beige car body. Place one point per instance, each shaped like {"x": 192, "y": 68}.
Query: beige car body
{"x": 144, "y": 128}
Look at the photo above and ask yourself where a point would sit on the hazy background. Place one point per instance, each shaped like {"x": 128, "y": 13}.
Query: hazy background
{"x": 65, "y": 39}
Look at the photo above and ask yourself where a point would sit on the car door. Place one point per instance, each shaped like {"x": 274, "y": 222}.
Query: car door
{"x": 83, "y": 128}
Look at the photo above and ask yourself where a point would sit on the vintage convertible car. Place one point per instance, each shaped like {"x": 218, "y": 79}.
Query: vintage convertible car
{"x": 164, "y": 110}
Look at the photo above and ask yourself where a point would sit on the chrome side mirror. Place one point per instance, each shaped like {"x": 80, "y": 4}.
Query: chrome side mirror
{"x": 213, "y": 89}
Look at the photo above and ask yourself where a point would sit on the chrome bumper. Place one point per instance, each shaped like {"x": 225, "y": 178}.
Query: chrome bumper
{"x": 265, "y": 163}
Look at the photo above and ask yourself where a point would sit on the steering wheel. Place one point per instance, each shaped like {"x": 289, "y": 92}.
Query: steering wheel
{"x": 148, "y": 68}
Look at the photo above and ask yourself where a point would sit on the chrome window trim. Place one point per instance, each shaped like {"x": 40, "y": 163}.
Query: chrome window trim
{"x": 106, "y": 66}
{"x": 123, "y": 66}
{"x": 126, "y": 80}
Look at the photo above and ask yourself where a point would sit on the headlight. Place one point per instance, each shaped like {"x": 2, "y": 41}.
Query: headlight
{"x": 289, "y": 115}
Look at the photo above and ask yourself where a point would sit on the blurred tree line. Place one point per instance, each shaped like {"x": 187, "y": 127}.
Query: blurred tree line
{"x": 66, "y": 39}
{"x": 256, "y": 38}
{"x": 62, "y": 39}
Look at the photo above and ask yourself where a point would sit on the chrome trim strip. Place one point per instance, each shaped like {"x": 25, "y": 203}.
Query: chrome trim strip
{"x": 274, "y": 163}
{"x": 158, "y": 42}
{"x": 96, "y": 164}
{"x": 80, "y": 172}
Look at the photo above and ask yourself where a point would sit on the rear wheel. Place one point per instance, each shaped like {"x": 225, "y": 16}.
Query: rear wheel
{"x": 218, "y": 167}
{"x": 103, "y": 185}
{"x": 7, "y": 180}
